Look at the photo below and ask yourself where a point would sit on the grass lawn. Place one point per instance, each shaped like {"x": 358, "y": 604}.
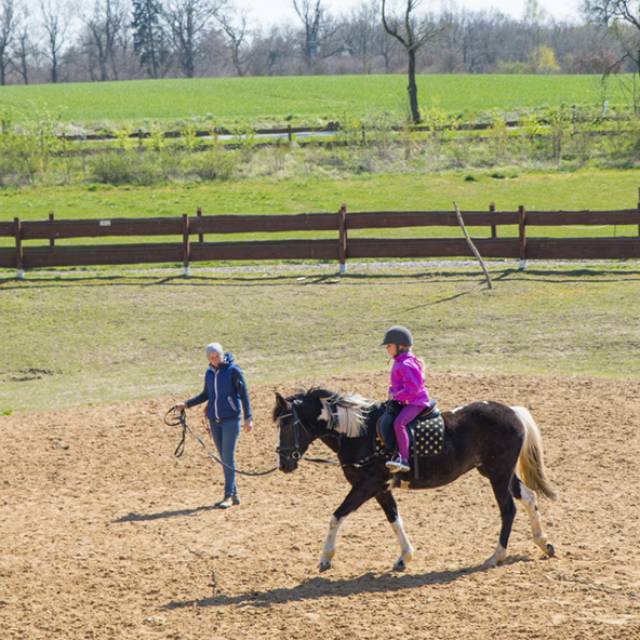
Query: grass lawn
{"x": 81, "y": 340}
{"x": 588, "y": 189}
{"x": 305, "y": 100}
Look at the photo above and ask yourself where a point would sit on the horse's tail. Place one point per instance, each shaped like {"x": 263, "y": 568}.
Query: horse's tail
{"x": 531, "y": 461}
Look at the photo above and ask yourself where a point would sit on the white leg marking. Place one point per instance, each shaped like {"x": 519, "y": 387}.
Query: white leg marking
{"x": 498, "y": 557}
{"x": 329, "y": 549}
{"x": 406, "y": 550}
{"x": 529, "y": 501}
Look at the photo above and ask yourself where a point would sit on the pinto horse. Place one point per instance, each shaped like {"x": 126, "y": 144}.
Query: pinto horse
{"x": 488, "y": 436}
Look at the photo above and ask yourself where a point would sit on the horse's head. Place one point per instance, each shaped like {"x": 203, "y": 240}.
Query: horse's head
{"x": 297, "y": 428}
{"x": 316, "y": 413}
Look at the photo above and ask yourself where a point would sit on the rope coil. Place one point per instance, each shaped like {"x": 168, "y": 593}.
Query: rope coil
{"x": 175, "y": 418}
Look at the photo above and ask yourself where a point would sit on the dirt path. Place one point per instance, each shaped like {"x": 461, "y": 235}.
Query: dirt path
{"x": 105, "y": 535}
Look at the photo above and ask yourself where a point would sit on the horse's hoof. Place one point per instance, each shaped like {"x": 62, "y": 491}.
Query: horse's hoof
{"x": 551, "y": 550}
{"x": 325, "y": 566}
{"x": 400, "y": 565}
{"x": 497, "y": 558}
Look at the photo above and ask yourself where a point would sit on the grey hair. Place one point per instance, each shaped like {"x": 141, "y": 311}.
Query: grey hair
{"x": 215, "y": 347}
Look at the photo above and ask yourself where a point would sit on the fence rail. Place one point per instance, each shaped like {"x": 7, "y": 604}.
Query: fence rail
{"x": 524, "y": 246}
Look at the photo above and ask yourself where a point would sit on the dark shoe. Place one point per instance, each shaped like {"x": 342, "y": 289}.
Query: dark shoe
{"x": 236, "y": 500}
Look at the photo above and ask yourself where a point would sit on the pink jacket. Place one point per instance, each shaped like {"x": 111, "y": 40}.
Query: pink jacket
{"x": 407, "y": 380}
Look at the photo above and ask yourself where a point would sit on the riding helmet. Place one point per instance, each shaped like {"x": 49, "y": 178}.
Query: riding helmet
{"x": 398, "y": 335}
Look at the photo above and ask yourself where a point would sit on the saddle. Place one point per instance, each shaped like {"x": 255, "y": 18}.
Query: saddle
{"x": 426, "y": 436}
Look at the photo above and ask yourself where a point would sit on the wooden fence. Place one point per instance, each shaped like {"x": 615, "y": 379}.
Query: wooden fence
{"x": 193, "y": 247}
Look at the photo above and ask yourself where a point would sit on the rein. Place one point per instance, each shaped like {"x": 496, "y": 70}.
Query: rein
{"x": 174, "y": 418}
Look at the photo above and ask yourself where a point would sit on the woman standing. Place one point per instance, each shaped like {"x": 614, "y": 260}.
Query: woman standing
{"x": 225, "y": 390}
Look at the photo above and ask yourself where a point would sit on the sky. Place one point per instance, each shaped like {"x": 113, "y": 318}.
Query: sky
{"x": 275, "y": 11}
{"x": 269, "y": 12}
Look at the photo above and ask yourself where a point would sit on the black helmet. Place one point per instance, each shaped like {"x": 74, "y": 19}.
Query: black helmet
{"x": 398, "y": 335}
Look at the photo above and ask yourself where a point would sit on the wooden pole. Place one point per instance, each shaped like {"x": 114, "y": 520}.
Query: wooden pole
{"x": 186, "y": 248}
{"x": 289, "y": 134}
{"x": 472, "y": 245}
{"x": 200, "y": 235}
{"x": 52, "y": 241}
{"x": 494, "y": 229}
{"x": 522, "y": 234}
{"x": 17, "y": 230}
{"x": 638, "y": 209}
{"x": 343, "y": 240}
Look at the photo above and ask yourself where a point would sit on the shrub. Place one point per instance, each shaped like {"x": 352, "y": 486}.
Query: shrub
{"x": 214, "y": 164}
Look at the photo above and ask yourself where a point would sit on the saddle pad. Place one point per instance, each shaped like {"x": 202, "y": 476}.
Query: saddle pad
{"x": 428, "y": 437}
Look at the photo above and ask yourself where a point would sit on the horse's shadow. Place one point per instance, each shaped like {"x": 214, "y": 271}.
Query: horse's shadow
{"x": 320, "y": 587}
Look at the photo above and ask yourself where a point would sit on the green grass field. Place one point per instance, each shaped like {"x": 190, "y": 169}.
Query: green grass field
{"x": 85, "y": 340}
{"x": 588, "y": 189}
{"x": 305, "y": 100}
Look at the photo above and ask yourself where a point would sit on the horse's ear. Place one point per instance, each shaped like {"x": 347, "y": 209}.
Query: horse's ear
{"x": 282, "y": 406}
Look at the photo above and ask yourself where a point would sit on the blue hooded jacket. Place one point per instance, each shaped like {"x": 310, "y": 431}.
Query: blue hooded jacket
{"x": 226, "y": 390}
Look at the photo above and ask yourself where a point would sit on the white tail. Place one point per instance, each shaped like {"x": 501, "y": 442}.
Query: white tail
{"x": 531, "y": 467}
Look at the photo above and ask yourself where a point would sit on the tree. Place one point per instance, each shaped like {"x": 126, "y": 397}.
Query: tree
{"x": 412, "y": 34}
{"x": 310, "y": 13}
{"x": 7, "y": 35}
{"x": 188, "y": 22}
{"x": 235, "y": 31}
{"x": 55, "y": 22}
{"x": 363, "y": 34}
{"x": 104, "y": 28}
{"x": 23, "y": 48}
{"x": 622, "y": 17}
{"x": 543, "y": 60}
{"x": 149, "y": 37}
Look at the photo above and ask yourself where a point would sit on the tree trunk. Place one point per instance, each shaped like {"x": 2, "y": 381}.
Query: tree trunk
{"x": 54, "y": 68}
{"x": 413, "y": 88}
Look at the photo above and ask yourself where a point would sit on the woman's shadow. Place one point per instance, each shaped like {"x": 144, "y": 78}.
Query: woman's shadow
{"x": 319, "y": 587}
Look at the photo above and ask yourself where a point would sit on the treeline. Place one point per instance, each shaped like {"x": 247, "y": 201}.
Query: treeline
{"x": 67, "y": 41}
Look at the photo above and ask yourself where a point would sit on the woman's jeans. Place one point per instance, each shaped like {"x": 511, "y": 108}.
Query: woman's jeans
{"x": 225, "y": 435}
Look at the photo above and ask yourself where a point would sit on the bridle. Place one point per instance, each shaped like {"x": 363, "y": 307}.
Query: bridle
{"x": 292, "y": 452}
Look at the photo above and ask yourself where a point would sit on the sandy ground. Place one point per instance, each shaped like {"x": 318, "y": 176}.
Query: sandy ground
{"x": 105, "y": 535}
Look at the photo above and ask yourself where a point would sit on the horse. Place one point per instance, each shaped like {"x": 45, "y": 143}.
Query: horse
{"x": 488, "y": 436}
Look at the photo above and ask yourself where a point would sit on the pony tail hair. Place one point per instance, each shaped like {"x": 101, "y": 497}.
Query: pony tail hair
{"x": 531, "y": 467}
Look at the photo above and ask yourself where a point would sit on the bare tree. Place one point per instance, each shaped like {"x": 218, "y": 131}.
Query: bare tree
{"x": 104, "y": 26}
{"x": 412, "y": 34}
{"x": 235, "y": 29}
{"x": 55, "y": 23}
{"x": 188, "y": 22}
{"x": 23, "y": 47}
{"x": 363, "y": 34}
{"x": 622, "y": 17}
{"x": 7, "y": 34}
{"x": 310, "y": 13}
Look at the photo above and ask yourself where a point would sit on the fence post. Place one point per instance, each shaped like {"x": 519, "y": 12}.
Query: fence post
{"x": 52, "y": 241}
{"x": 200, "y": 235}
{"x": 186, "y": 248}
{"x": 494, "y": 229}
{"x": 342, "y": 242}
{"x": 17, "y": 230}
{"x": 289, "y": 134}
{"x": 522, "y": 234}
{"x": 639, "y": 209}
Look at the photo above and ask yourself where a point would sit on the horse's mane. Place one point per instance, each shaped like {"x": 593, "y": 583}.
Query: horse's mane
{"x": 346, "y": 413}
{"x": 349, "y": 413}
